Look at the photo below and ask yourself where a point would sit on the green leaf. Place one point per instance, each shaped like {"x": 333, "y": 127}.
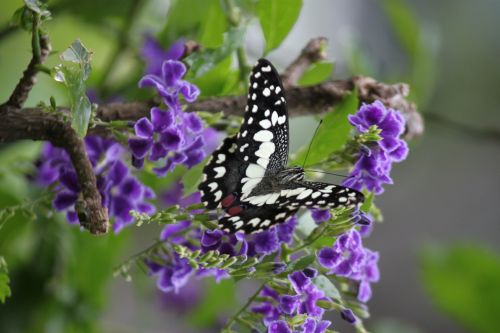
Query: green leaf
{"x": 464, "y": 281}
{"x": 4, "y": 281}
{"x": 300, "y": 263}
{"x": 214, "y": 25}
{"x": 73, "y": 74}
{"x": 325, "y": 285}
{"x": 219, "y": 80}
{"x": 201, "y": 62}
{"x": 317, "y": 73}
{"x": 277, "y": 18}
{"x": 37, "y": 7}
{"x": 333, "y": 133}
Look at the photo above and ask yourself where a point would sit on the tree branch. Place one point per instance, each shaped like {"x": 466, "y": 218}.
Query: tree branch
{"x": 301, "y": 101}
{"x": 35, "y": 124}
{"x": 28, "y": 80}
{"x": 313, "y": 52}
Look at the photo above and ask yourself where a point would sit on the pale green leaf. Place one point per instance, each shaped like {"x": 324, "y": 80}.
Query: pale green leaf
{"x": 333, "y": 133}
{"x": 317, "y": 73}
{"x": 277, "y": 17}
{"x": 325, "y": 285}
{"x": 73, "y": 73}
{"x": 202, "y": 62}
{"x": 464, "y": 281}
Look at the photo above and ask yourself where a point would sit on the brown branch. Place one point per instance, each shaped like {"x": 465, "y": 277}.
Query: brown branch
{"x": 313, "y": 52}
{"x": 301, "y": 101}
{"x": 35, "y": 124}
{"x": 28, "y": 80}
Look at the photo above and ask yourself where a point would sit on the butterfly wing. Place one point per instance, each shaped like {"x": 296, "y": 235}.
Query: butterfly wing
{"x": 221, "y": 174}
{"x": 266, "y": 210}
{"x": 263, "y": 137}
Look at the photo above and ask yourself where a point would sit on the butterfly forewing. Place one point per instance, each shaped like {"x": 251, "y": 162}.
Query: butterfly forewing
{"x": 263, "y": 137}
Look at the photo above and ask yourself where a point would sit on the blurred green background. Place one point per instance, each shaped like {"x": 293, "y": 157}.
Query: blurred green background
{"x": 439, "y": 242}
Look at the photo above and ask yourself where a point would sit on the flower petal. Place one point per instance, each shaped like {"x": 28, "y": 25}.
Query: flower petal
{"x": 144, "y": 128}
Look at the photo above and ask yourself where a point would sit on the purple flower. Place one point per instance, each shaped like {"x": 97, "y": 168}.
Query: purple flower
{"x": 285, "y": 230}
{"x": 369, "y": 273}
{"x": 313, "y": 325}
{"x": 279, "y": 326}
{"x": 178, "y": 137}
{"x": 175, "y": 275}
{"x": 348, "y": 316}
{"x": 346, "y": 256}
{"x": 266, "y": 242}
{"x": 120, "y": 191}
{"x": 321, "y": 215}
{"x": 375, "y": 162}
{"x": 154, "y": 55}
{"x": 169, "y": 84}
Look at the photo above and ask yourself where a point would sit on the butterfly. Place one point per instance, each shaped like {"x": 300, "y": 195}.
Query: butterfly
{"x": 248, "y": 177}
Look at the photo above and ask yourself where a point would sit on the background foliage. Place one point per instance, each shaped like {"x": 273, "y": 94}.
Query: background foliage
{"x": 59, "y": 276}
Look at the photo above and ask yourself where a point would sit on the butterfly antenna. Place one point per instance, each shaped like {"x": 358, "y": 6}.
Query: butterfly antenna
{"x": 328, "y": 173}
{"x": 310, "y": 143}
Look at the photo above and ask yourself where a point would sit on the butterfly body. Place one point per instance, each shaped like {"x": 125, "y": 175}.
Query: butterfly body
{"x": 248, "y": 176}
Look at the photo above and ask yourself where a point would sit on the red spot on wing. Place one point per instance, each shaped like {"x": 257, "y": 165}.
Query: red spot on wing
{"x": 228, "y": 200}
{"x": 235, "y": 210}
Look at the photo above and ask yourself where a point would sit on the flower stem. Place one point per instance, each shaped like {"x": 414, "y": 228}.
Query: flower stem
{"x": 234, "y": 317}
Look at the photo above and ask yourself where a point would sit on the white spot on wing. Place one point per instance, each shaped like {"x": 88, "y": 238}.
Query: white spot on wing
{"x": 266, "y": 149}
{"x": 304, "y": 194}
{"x": 263, "y": 135}
{"x": 218, "y": 195}
{"x": 266, "y": 69}
{"x": 254, "y": 222}
{"x": 266, "y": 92}
{"x": 263, "y": 162}
{"x": 212, "y": 186}
{"x": 220, "y": 158}
{"x": 265, "y": 124}
{"x": 255, "y": 108}
{"x": 255, "y": 171}
{"x": 274, "y": 117}
{"x": 219, "y": 172}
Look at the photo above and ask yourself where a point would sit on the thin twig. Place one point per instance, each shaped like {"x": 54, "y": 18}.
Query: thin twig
{"x": 313, "y": 52}
{"x": 231, "y": 320}
{"x": 40, "y": 52}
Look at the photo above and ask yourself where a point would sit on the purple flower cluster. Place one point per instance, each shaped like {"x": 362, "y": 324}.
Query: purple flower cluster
{"x": 375, "y": 162}
{"x": 175, "y": 272}
{"x": 121, "y": 192}
{"x": 278, "y": 307}
{"x": 348, "y": 258}
{"x": 170, "y": 134}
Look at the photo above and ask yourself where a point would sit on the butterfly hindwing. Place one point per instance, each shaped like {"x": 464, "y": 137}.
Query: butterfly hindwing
{"x": 256, "y": 218}
{"x": 221, "y": 174}
{"x": 318, "y": 195}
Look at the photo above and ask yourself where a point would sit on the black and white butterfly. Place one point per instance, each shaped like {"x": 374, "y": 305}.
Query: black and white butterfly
{"x": 248, "y": 175}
